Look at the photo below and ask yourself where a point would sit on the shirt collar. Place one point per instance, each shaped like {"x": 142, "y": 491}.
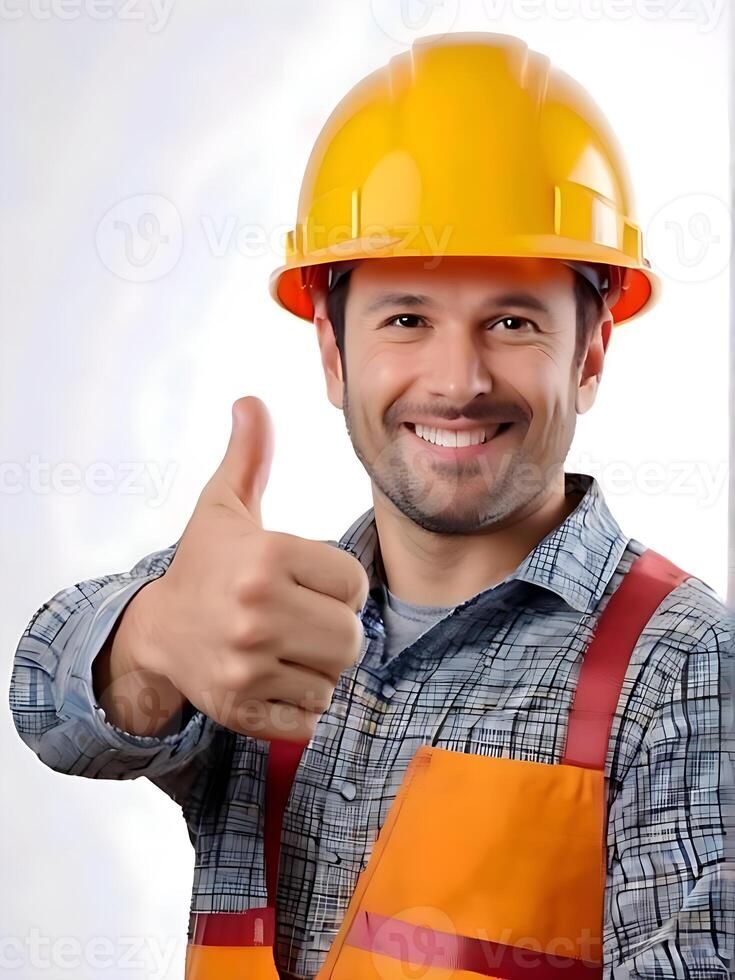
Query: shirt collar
{"x": 575, "y": 561}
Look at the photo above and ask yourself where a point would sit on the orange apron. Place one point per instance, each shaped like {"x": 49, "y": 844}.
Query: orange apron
{"x": 486, "y": 868}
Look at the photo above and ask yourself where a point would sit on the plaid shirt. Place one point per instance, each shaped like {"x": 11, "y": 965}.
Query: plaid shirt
{"x": 495, "y": 676}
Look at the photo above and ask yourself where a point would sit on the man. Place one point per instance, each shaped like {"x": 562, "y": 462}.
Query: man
{"x": 514, "y": 760}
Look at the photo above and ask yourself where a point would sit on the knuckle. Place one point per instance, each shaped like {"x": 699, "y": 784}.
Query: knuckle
{"x": 358, "y": 634}
{"x": 351, "y": 637}
{"x": 312, "y": 698}
{"x": 271, "y": 547}
{"x": 358, "y": 585}
{"x": 237, "y": 674}
{"x": 256, "y": 588}
{"x": 323, "y": 703}
{"x": 250, "y": 633}
{"x": 322, "y": 697}
{"x": 307, "y": 728}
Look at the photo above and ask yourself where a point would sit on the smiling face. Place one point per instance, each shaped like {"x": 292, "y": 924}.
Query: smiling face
{"x": 482, "y": 344}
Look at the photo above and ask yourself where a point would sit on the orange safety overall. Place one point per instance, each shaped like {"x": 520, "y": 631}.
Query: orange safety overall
{"x": 485, "y": 867}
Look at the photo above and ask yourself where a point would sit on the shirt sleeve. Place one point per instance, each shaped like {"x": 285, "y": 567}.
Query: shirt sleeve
{"x": 52, "y": 696}
{"x": 670, "y": 895}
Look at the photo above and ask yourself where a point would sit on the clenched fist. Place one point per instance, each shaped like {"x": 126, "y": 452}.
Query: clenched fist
{"x": 253, "y": 627}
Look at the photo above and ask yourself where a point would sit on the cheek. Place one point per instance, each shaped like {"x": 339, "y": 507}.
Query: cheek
{"x": 544, "y": 387}
{"x": 381, "y": 377}
{"x": 386, "y": 359}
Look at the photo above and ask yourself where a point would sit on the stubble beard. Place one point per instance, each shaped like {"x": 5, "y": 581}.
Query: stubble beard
{"x": 446, "y": 497}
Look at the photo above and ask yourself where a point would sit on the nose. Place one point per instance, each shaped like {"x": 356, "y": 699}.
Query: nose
{"x": 456, "y": 366}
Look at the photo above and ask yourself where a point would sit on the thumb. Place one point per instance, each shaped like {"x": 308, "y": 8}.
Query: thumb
{"x": 246, "y": 465}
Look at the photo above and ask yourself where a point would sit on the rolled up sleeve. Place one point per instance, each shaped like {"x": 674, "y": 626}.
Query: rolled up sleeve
{"x": 52, "y": 696}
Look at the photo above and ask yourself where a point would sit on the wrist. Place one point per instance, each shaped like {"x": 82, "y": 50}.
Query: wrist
{"x": 133, "y": 648}
{"x": 131, "y": 687}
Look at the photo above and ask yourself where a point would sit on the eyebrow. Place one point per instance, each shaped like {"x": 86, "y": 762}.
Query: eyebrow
{"x": 526, "y": 300}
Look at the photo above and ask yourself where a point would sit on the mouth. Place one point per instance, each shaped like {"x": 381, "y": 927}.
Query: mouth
{"x": 436, "y": 441}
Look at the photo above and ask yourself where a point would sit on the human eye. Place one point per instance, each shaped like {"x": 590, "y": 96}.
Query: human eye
{"x": 509, "y": 321}
{"x": 403, "y": 316}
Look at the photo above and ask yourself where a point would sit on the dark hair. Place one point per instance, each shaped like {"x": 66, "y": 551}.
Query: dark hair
{"x": 588, "y": 300}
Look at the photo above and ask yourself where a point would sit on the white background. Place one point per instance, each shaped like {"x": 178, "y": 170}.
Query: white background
{"x": 213, "y": 109}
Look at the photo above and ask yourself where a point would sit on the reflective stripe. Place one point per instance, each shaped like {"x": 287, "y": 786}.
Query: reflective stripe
{"x": 430, "y": 948}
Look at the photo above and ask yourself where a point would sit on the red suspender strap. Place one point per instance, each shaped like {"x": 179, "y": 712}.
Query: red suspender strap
{"x": 283, "y": 761}
{"x": 647, "y": 583}
{"x": 256, "y": 927}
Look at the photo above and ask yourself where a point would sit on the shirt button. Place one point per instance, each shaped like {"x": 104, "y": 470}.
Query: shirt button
{"x": 387, "y": 690}
{"x": 349, "y": 791}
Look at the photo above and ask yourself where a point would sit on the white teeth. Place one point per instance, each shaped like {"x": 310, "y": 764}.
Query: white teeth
{"x": 453, "y": 438}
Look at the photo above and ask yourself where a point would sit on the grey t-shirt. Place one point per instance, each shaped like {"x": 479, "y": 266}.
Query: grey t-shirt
{"x": 405, "y": 622}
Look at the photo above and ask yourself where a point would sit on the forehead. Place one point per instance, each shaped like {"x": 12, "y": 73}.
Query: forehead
{"x": 447, "y": 273}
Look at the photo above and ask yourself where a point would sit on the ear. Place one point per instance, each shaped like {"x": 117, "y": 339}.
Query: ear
{"x": 331, "y": 361}
{"x": 590, "y": 370}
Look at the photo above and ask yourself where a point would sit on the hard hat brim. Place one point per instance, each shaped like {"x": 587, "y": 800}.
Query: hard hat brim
{"x": 289, "y": 286}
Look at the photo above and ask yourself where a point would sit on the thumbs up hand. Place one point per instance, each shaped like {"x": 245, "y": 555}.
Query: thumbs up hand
{"x": 253, "y": 627}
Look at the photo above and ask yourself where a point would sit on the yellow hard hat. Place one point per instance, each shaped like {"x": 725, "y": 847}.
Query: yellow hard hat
{"x": 467, "y": 144}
